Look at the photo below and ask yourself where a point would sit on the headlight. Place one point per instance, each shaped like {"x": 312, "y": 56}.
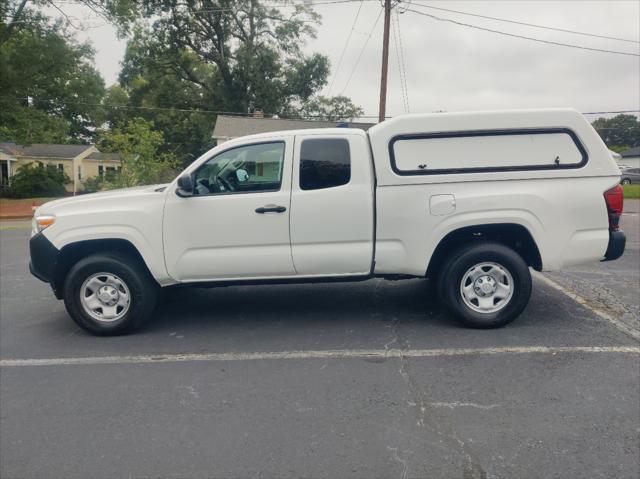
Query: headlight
{"x": 41, "y": 222}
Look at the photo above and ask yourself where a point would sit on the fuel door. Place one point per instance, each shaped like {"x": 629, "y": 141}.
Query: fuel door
{"x": 440, "y": 205}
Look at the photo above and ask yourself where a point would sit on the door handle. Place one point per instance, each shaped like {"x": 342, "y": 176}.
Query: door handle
{"x": 270, "y": 209}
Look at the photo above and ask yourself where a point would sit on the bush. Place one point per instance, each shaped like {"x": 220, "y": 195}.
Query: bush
{"x": 94, "y": 184}
{"x": 31, "y": 181}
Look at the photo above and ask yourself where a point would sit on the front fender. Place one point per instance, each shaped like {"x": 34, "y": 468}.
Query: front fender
{"x": 150, "y": 249}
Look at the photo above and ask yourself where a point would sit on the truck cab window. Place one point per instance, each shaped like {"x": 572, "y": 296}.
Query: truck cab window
{"x": 245, "y": 169}
{"x": 324, "y": 163}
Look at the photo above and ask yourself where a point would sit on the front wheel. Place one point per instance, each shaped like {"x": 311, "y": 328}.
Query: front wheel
{"x": 485, "y": 285}
{"x": 109, "y": 294}
{"x": 626, "y": 181}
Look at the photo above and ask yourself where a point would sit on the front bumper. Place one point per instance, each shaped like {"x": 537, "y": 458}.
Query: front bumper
{"x": 615, "y": 248}
{"x": 44, "y": 257}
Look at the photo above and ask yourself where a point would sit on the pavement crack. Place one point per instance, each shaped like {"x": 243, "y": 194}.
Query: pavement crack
{"x": 404, "y": 462}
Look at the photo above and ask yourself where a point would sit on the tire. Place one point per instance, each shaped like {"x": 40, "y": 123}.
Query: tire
{"x": 130, "y": 290}
{"x": 626, "y": 181}
{"x": 485, "y": 265}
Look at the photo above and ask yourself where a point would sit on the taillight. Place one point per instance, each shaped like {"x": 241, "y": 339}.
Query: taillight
{"x": 615, "y": 202}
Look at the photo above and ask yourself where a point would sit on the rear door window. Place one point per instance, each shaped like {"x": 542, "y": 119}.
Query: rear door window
{"x": 324, "y": 163}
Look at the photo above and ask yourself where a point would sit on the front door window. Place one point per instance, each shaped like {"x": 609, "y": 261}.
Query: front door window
{"x": 245, "y": 169}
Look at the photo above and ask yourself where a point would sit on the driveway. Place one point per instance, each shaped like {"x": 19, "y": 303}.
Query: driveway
{"x": 369, "y": 379}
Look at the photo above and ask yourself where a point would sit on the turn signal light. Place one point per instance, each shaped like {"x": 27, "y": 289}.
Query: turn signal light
{"x": 42, "y": 222}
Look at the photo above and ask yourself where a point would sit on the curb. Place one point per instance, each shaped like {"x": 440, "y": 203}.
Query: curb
{"x": 15, "y": 217}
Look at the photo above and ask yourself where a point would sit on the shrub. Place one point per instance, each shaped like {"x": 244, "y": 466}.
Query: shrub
{"x": 31, "y": 181}
{"x": 96, "y": 183}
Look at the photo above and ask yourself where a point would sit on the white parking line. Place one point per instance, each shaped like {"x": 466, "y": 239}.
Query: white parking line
{"x": 585, "y": 303}
{"x": 330, "y": 354}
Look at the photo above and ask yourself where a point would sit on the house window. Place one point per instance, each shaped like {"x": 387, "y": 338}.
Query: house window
{"x": 110, "y": 172}
{"x": 100, "y": 171}
{"x": 79, "y": 172}
{"x": 61, "y": 167}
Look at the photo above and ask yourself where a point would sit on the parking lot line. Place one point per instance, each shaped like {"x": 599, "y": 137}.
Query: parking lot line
{"x": 635, "y": 334}
{"x": 329, "y": 354}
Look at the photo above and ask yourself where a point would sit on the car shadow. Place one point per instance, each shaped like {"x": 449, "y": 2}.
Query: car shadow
{"x": 358, "y": 302}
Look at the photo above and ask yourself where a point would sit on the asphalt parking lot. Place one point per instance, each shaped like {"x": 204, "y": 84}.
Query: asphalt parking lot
{"x": 369, "y": 379}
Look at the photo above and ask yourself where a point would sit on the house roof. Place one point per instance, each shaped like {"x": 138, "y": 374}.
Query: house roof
{"x": 236, "y": 126}
{"x": 98, "y": 155}
{"x": 44, "y": 150}
{"x": 631, "y": 152}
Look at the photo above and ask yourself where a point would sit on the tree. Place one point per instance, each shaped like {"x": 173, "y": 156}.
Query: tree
{"x": 31, "y": 181}
{"x": 331, "y": 109}
{"x": 156, "y": 92}
{"x": 139, "y": 145}
{"x": 620, "y": 132}
{"x": 224, "y": 56}
{"x": 50, "y": 89}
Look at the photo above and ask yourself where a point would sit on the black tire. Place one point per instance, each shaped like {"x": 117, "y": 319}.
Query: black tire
{"x": 461, "y": 261}
{"x": 625, "y": 181}
{"x": 142, "y": 288}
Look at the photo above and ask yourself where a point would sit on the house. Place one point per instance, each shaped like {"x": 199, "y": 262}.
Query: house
{"x": 630, "y": 157}
{"x": 79, "y": 162}
{"x": 7, "y": 165}
{"x": 229, "y": 127}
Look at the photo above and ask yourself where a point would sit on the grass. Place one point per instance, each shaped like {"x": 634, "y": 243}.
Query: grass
{"x": 631, "y": 191}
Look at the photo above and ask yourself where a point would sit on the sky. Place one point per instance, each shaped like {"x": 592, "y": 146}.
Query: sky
{"x": 449, "y": 67}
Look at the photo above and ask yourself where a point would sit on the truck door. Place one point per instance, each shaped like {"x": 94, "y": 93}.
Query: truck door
{"x": 332, "y": 205}
{"x": 236, "y": 226}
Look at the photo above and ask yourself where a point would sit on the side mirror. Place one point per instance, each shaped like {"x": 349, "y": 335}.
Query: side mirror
{"x": 185, "y": 186}
{"x": 242, "y": 175}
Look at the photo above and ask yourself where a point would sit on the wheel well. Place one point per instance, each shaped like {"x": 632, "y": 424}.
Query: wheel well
{"x": 74, "y": 252}
{"x": 514, "y": 236}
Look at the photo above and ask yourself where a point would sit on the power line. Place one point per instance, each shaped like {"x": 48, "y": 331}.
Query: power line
{"x": 549, "y": 42}
{"x": 181, "y": 110}
{"x": 344, "y": 49}
{"x": 397, "y": 49}
{"x": 564, "y": 30}
{"x": 237, "y": 113}
{"x": 402, "y": 62}
{"x": 355, "y": 66}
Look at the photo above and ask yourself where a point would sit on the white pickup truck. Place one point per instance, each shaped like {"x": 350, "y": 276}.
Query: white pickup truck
{"x": 471, "y": 199}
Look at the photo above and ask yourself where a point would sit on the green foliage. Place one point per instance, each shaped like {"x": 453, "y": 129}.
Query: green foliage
{"x": 143, "y": 163}
{"x": 96, "y": 183}
{"x": 620, "y": 132}
{"x": 631, "y": 191}
{"x": 49, "y": 87}
{"x": 33, "y": 181}
{"x": 332, "y": 109}
{"x": 189, "y": 61}
{"x": 233, "y": 56}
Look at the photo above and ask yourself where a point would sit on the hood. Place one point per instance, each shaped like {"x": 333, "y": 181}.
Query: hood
{"x": 100, "y": 196}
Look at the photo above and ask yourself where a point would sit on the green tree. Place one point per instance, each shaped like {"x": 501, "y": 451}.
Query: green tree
{"x": 331, "y": 109}
{"x": 37, "y": 180}
{"x": 142, "y": 161}
{"x": 49, "y": 87}
{"x": 620, "y": 132}
{"x": 230, "y": 56}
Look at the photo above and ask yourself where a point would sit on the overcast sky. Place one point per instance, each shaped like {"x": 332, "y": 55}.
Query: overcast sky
{"x": 451, "y": 67}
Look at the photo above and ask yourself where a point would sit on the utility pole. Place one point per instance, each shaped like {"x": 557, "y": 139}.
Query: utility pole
{"x": 385, "y": 61}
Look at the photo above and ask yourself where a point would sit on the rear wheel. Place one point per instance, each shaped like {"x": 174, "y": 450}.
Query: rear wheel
{"x": 625, "y": 181}
{"x": 109, "y": 294}
{"x": 485, "y": 285}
